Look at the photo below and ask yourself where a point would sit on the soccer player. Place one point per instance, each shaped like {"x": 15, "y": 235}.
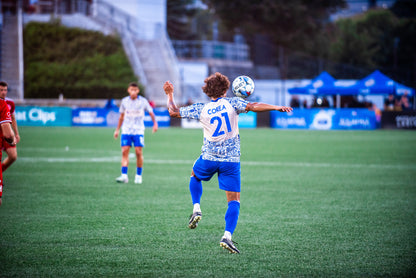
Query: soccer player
{"x": 9, "y": 149}
{"x": 221, "y": 147}
{"x": 131, "y": 121}
{"x": 6, "y": 133}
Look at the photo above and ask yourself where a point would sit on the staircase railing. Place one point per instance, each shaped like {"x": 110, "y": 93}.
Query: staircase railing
{"x": 125, "y": 24}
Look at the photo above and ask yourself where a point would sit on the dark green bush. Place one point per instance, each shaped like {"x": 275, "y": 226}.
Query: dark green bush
{"x": 74, "y": 62}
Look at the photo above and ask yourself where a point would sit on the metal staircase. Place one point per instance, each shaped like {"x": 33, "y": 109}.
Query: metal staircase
{"x": 153, "y": 59}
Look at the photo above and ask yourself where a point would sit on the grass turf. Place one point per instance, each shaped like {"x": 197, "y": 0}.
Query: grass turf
{"x": 313, "y": 204}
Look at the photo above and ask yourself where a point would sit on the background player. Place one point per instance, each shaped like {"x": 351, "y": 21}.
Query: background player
{"x": 6, "y": 133}
{"x": 131, "y": 121}
{"x": 9, "y": 149}
{"x": 221, "y": 147}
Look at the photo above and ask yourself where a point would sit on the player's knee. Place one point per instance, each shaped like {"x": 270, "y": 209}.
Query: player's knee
{"x": 13, "y": 157}
{"x": 193, "y": 175}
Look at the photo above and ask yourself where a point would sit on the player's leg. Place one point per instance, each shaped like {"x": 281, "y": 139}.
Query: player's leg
{"x": 138, "y": 147}
{"x": 11, "y": 157}
{"x": 1, "y": 182}
{"x": 125, "y": 149}
{"x": 139, "y": 164}
{"x": 202, "y": 170}
{"x": 230, "y": 181}
{"x": 195, "y": 188}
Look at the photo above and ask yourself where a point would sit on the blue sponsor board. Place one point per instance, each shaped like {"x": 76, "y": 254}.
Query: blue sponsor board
{"x": 324, "y": 119}
{"x": 43, "y": 116}
{"x": 90, "y": 116}
{"x": 247, "y": 120}
{"x": 162, "y": 118}
{"x": 109, "y": 117}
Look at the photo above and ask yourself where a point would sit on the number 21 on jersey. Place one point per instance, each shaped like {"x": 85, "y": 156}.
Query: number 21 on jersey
{"x": 218, "y": 120}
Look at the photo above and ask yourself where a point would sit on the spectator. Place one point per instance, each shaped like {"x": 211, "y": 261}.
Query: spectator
{"x": 405, "y": 103}
{"x": 389, "y": 103}
{"x": 294, "y": 102}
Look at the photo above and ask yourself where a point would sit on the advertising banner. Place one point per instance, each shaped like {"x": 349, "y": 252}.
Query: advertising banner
{"x": 324, "y": 119}
{"x": 162, "y": 117}
{"x": 245, "y": 120}
{"x": 90, "y": 116}
{"x": 43, "y": 116}
{"x": 398, "y": 119}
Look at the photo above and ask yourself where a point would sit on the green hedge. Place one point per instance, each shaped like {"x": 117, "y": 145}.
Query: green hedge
{"x": 74, "y": 62}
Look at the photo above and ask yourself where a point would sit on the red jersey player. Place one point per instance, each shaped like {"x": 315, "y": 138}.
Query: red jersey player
{"x": 9, "y": 149}
{"x": 6, "y": 133}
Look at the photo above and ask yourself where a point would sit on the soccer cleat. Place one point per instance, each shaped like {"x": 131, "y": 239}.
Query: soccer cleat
{"x": 228, "y": 244}
{"x": 138, "y": 179}
{"x": 194, "y": 219}
{"x": 122, "y": 179}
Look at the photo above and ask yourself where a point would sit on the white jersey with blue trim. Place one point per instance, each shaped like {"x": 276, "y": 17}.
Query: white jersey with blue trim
{"x": 134, "y": 112}
{"x": 219, "y": 119}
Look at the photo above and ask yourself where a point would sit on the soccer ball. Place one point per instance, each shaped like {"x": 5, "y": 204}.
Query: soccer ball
{"x": 243, "y": 86}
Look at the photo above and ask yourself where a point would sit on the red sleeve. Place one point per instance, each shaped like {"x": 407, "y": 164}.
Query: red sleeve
{"x": 11, "y": 105}
{"x": 4, "y": 113}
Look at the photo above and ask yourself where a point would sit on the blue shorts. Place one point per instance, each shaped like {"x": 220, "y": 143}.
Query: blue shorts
{"x": 127, "y": 140}
{"x": 229, "y": 173}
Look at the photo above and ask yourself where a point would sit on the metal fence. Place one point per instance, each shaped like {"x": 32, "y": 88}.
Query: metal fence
{"x": 211, "y": 50}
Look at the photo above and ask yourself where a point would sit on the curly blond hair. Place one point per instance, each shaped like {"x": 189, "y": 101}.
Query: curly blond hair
{"x": 216, "y": 85}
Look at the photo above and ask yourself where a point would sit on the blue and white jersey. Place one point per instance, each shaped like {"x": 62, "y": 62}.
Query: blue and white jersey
{"x": 219, "y": 119}
{"x": 134, "y": 111}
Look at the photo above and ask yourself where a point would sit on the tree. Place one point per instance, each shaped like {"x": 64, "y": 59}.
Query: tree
{"x": 295, "y": 24}
{"x": 179, "y": 18}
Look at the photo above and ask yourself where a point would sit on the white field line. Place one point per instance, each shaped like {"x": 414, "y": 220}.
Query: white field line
{"x": 190, "y": 162}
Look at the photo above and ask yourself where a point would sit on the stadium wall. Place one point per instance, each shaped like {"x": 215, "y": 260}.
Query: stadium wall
{"x": 316, "y": 119}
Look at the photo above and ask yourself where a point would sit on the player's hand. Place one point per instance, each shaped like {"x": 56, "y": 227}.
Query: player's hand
{"x": 17, "y": 136}
{"x": 155, "y": 127}
{"x": 116, "y": 132}
{"x": 285, "y": 109}
{"x": 168, "y": 87}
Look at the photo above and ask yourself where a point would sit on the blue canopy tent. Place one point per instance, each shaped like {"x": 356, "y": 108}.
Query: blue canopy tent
{"x": 375, "y": 84}
{"x": 323, "y": 84}
{"x": 402, "y": 89}
{"x": 379, "y": 84}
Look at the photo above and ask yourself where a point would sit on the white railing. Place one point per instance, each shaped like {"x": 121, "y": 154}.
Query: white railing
{"x": 125, "y": 24}
{"x": 167, "y": 44}
{"x": 212, "y": 50}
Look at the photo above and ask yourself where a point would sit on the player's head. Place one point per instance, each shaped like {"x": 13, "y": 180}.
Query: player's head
{"x": 3, "y": 89}
{"x": 133, "y": 90}
{"x": 216, "y": 85}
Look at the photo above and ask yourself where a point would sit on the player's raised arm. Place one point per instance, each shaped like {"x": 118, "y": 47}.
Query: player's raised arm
{"x": 173, "y": 109}
{"x": 263, "y": 107}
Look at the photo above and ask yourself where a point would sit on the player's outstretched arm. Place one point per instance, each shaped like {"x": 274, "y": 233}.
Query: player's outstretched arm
{"x": 8, "y": 133}
{"x": 173, "y": 109}
{"x": 120, "y": 122}
{"x": 263, "y": 107}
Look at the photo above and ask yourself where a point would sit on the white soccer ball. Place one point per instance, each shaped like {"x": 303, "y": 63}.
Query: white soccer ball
{"x": 243, "y": 86}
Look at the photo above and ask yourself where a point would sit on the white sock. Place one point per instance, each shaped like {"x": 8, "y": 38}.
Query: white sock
{"x": 197, "y": 207}
{"x": 227, "y": 235}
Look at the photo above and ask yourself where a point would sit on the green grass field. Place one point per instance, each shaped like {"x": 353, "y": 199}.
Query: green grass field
{"x": 313, "y": 204}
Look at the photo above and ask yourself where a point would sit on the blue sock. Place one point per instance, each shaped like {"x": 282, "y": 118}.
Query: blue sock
{"x": 195, "y": 186}
{"x": 124, "y": 170}
{"x": 139, "y": 171}
{"x": 231, "y": 216}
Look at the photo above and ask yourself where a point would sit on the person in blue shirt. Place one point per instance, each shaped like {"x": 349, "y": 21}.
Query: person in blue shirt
{"x": 221, "y": 147}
